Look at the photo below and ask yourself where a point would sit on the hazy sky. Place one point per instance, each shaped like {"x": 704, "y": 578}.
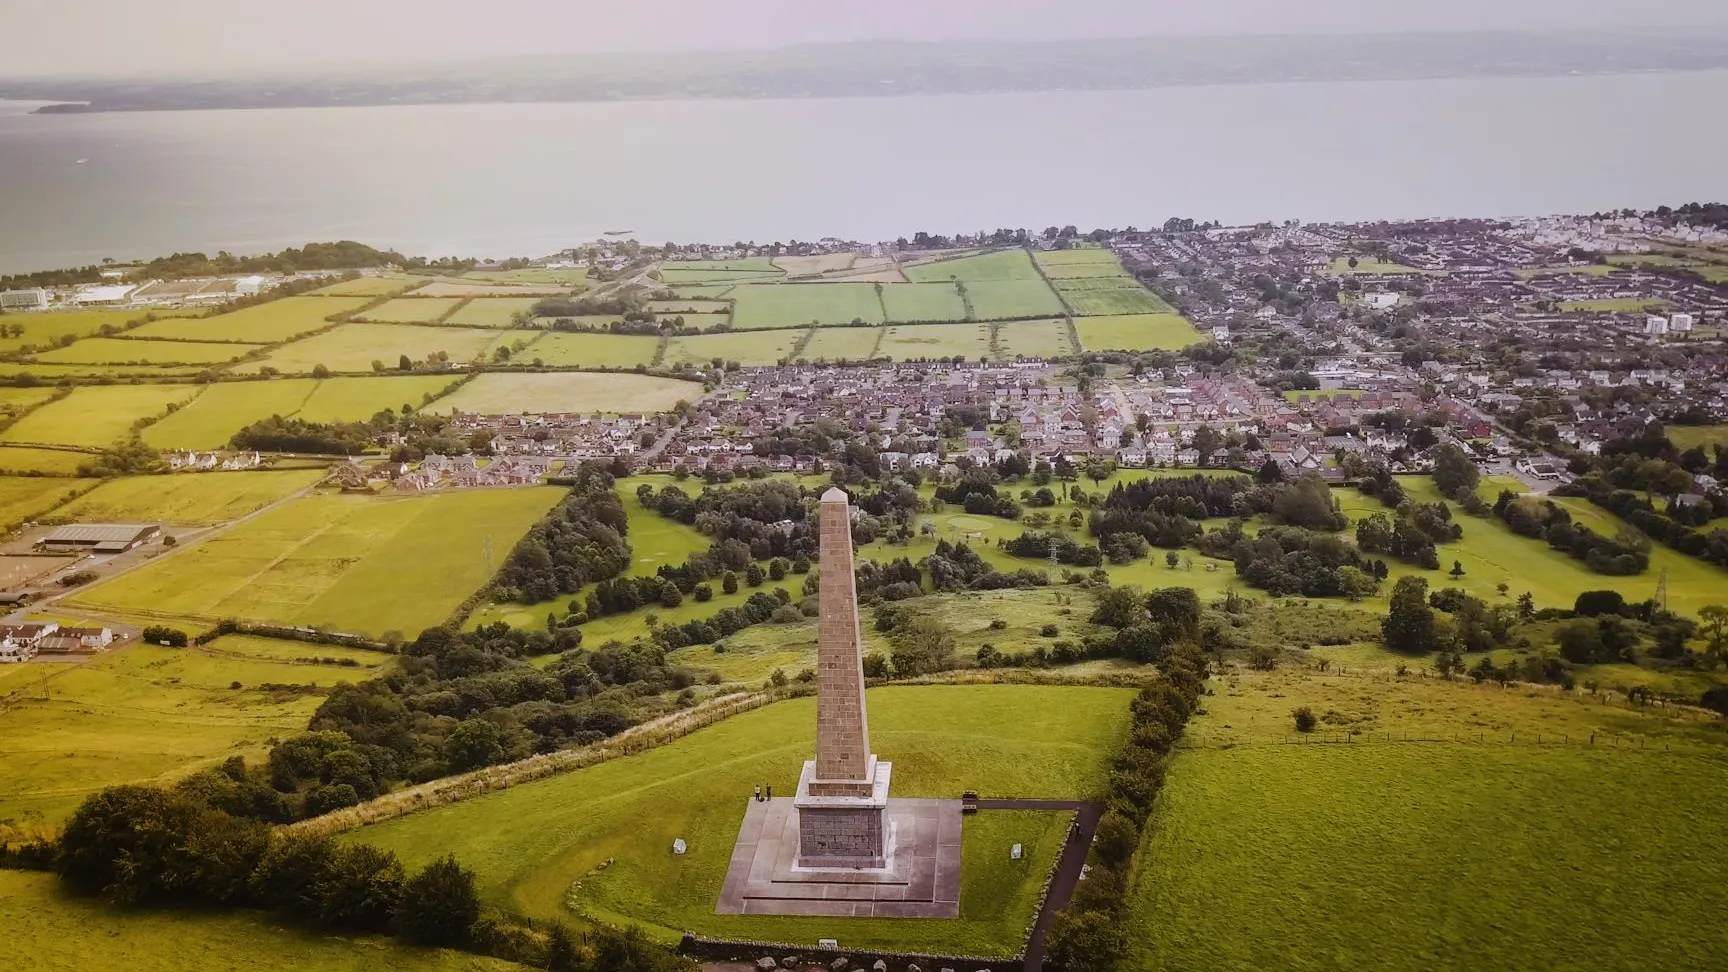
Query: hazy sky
{"x": 185, "y": 36}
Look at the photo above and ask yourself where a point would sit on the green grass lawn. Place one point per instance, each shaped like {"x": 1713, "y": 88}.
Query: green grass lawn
{"x": 530, "y": 843}
{"x": 493, "y": 311}
{"x": 1137, "y": 332}
{"x": 57, "y": 932}
{"x": 53, "y": 462}
{"x": 571, "y": 391}
{"x": 369, "y": 286}
{"x": 1366, "y": 264}
{"x": 1002, "y": 265}
{"x": 96, "y": 415}
{"x": 268, "y": 323}
{"x": 849, "y": 343}
{"x": 1035, "y": 339}
{"x": 356, "y": 563}
{"x": 187, "y": 498}
{"x": 45, "y": 329}
{"x": 1112, "y": 302}
{"x": 414, "y": 310}
{"x": 29, "y": 497}
{"x": 1432, "y": 856}
{"x": 352, "y": 348}
{"x": 1001, "y": 299}
{"x": 1625, "y": 305}
{"x": 582, "y": 350}
{"x": 910, "y": 341}
{"x": 759, "y": 348}
{"x": 798, "y": 305}
{"x": 137, "y": 351}
{"x": 220, "y": 410}
{"x": 144, "y": 713}
{"x": 1708, "y": 436}
{"x": 923, "y": 302}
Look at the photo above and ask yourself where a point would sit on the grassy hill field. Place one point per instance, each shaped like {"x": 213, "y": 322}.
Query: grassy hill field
{"x": 1432, "y": 855}
{"x": 56, "y": 932}
{"x": 532, "y": 842}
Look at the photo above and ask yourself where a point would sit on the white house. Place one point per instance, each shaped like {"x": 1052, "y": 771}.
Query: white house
{"x": 13, "y": 300}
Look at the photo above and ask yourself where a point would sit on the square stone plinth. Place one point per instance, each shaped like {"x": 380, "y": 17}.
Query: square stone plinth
{"x": 920, "y": 876}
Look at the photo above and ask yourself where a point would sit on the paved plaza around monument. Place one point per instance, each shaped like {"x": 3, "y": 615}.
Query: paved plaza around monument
{"x": 920, "y": 879}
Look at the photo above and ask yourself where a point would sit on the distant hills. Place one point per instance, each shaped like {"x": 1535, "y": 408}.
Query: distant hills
{"x": 886, "y": 68}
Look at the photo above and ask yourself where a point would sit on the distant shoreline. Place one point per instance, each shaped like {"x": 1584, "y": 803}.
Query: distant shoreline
{"x": 89, "y": 108}
{"x": 901, "y": 69}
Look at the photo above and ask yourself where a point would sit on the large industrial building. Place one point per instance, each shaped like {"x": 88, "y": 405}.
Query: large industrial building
{"x": 99, "y": 538}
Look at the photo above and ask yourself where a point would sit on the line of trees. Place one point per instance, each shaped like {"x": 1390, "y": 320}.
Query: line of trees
{"x": 1542, "y": 519}
{"x": 1090, "y": 933}
{"x": 153, "y": 847}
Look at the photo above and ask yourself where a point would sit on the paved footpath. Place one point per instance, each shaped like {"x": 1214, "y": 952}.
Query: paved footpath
{"x": 1086, "y": 816}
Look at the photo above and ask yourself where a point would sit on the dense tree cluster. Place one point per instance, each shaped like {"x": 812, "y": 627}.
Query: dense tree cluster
{"x": 957, "y": 567}
{"x": 580, "y": 541}
{"x": 1411, "y": 535}
{"x": 1287, "y": 560}
{"x": 1674, "y": 525}
{"x": 976, "y": 493}
{"x": 417, "y": 436}
{"x": 1543, "y": 519}
{"x": 756, "y": 609}
{"x": 1042, "y": 546}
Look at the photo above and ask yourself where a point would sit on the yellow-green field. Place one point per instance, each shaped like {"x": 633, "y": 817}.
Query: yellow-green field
{"x": 195, "y": 499}
{"x": 220, "y": 410}
{"x": 757, "y": 348}
{"x": 46, "y": 328}
{"x": 353, "y": 347}
{"x": 144, "y": 712}
{"x": 568, "y": 391}
{"x": 1137, "y": 332}
{"x": 96, "y": 415}
{"x": 564, "y": 349}
{"x": 132, "y": 351}
{"x": 531, "y": 842}
{"x": 1110, "y": 297}
{"x": 923, "y": 302}
{"x": 55, "y": 932}
{"x": 413, "y": 310}
{"x": 265, "y": 323}
{"x": 905, "y": 342}
{"x": 836, "y": 343}
{"x": 29, "y": 497}
{"x": 15, "y": 400}
{"x": 567, "y": 278}
{"x": 493, "y": 311}
{"x": 356, "y": 563}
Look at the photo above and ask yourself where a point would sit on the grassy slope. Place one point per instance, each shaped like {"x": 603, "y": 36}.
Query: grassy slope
{"x": 24, "y": 497}
{"x": 1432, "y": 855}
{"x": 531, "y": 842}
{"x": 50, "y": 931}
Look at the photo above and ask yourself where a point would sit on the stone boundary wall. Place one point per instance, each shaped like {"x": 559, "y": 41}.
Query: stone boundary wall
{"x": 839, "y": 959}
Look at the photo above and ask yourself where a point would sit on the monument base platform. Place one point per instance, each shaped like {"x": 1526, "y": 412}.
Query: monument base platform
{"x": 920, "y": 876}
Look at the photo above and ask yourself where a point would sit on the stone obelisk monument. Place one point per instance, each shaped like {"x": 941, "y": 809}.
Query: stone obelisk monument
{"x": 843, "y": 792}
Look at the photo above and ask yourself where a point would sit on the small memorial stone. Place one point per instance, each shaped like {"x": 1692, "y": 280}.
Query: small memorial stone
{"x": 1016, "y": 852}
{"x": 679, "y": 847}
